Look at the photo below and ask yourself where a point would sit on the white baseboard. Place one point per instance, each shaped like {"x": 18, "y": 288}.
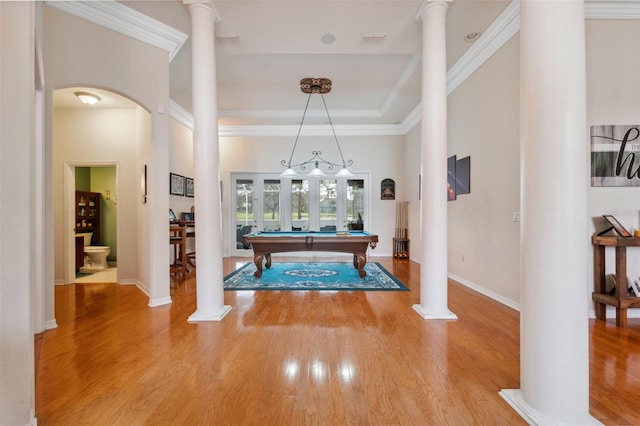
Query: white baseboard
{"x": 51, "y": 324}
{"x": 491, "y": 294}
{"x": 611, "y": 311}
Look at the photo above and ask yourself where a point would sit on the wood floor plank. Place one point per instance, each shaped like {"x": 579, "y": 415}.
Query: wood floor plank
{"x": 301, "y": 358}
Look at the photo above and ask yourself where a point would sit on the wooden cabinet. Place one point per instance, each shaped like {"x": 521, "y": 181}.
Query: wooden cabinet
{"x": 621, "y": 299}
{"x": 88, "y": 214}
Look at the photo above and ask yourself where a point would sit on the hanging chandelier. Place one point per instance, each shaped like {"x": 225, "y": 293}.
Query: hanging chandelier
{"x": 316, "y": 86}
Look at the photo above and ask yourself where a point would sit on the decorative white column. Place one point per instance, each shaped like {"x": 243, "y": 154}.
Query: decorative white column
{"x": 554, "y": 355}
{"x": 433, "y": 265}
{"x": 206, "y": 164}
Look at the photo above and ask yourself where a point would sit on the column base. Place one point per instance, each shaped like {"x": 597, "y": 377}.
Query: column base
{"x": 533, "y": 416}
{"x": 209, "y": 316}
{"x": 440, "y": 315}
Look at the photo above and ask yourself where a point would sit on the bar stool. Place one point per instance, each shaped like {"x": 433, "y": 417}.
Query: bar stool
{"x": 177, "y": 238}
{"x": 188, "y": 219}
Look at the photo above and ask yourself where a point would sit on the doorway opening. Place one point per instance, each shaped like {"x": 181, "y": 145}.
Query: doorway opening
{"x": 91, "y": 201}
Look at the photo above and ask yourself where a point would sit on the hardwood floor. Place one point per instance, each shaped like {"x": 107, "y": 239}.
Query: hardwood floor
{"x": 301, "y": 358}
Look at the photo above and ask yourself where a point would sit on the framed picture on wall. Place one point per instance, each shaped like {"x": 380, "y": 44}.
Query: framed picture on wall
{"x": 188, "y": 187}
{"x": 176, "y": 184}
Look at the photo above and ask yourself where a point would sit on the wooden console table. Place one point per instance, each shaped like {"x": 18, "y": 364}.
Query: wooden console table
{"x": 621, "y": 300}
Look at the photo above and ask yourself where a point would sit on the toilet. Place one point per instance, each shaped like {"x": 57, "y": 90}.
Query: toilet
{"x": 97, "y": 255}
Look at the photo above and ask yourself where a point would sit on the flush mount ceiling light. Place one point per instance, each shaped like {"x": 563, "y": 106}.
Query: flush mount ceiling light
{"x": 471, "y": 36}
{"x": 316, "y": 86}
{"x": 327, "y": 38}
{"x": 87, "y": 98}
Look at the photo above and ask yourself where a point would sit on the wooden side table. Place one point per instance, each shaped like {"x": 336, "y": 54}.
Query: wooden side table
{"x": 621, "y": 300}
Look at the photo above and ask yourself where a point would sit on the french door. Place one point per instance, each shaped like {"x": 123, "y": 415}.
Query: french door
{"x": 267, "y": 202}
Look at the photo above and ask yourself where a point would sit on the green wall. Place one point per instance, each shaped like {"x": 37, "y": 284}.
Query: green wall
{"x": 101, "y": 180}
{"x": 83, "y": 178}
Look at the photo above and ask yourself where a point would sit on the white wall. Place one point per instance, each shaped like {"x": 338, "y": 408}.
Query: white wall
{"x": 382, "y": 156}
{"x": 18, "y": 203}
{"x": 412, "y": 182}
{"x": 613, "y": 97}
{"x": 181, "y": 162}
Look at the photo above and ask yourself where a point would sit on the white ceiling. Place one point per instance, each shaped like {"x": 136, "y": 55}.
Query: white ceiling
{"x": 280, "y": 42}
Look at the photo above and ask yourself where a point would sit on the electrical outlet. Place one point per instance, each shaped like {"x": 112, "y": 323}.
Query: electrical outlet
{"x": 516, "y": 216}
{"x": 462, "y": 257}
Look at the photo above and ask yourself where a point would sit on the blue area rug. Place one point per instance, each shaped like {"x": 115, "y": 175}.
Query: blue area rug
{"x": 313, "y": 276}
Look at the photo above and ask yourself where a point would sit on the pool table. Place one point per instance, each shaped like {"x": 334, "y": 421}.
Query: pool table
{"x": 265, "y": 243}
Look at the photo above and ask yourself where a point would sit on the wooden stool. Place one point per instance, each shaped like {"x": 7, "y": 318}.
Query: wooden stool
{"x": 177, "y": 238}
{"x": 188, "y": 219}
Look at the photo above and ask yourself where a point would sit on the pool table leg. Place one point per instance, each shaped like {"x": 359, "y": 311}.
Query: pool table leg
{"x": 359, "y": 260}
{"x": 257, "y": 259}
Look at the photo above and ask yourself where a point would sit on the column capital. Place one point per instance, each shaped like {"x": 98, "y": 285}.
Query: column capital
{"x": 206, "y": 4}
{"x": 428, "y": 4}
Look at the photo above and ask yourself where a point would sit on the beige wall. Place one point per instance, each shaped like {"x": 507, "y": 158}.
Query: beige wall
{"x": 483, "y": 123}
{"x": 77, "y": 52}
{"x": 98, "y": 136}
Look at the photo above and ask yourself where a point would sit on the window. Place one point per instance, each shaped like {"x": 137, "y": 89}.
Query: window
{"x": 266, "y": 202}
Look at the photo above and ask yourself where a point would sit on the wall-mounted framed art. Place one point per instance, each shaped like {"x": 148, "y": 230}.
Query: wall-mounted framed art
{"x": 176, "y": 184}
{"x": 188, "y": 187}
{"x": 458, "y": 177}
{"x": 614, "y": 155}
{"x": 388, "y": 189}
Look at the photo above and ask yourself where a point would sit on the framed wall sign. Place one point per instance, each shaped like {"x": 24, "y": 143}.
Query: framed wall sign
{"x": 388, "y": 189}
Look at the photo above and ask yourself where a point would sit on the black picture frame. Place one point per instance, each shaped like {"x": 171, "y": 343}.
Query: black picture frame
{"x": 617, "y": 226}
{"x": 188, "y": 187}
{"x": 463, "y": 176}
{"x": 176, "y": 184}
{"x": 143, "y": 184}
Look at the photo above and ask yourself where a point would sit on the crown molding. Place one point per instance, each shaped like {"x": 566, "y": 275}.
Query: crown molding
{"x": 622, "y": 9}
{"x": 411, "y": 120}
{"x": 290, "y": 113}
{"x": 180, "y": 114}
{"x": 310, "y": 130}
{"x": 119, "y": 18}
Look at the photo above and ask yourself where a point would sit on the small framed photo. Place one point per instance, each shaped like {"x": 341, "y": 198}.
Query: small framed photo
{"x": 176, "y": 184}
{"x": 188, "y": 187}
{"x": 617, "y": 226}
